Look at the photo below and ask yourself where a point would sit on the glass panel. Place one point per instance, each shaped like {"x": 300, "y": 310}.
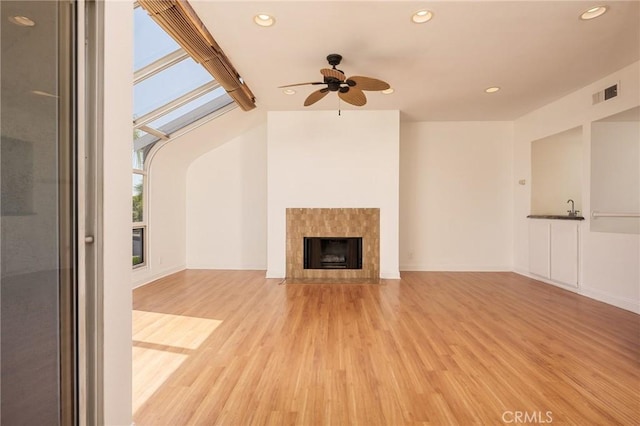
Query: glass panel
{"x": 168, "y": 85}
{"x": 142, "y": 147}
{"x": 137, "y": 160}
{"x": 137, "y": 156}
{"x": 36, "y": 267}
{"x": 138, "y": 185}
{"x": 150, "y": 41}
{"x": 138, "y": 246}
{"x": 214, "y": 100}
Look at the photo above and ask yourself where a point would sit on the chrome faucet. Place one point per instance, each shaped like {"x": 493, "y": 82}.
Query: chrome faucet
{"x": 573, "y": 211}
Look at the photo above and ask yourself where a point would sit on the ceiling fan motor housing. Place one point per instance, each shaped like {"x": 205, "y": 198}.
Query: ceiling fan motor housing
{"x": 334, "y": 59}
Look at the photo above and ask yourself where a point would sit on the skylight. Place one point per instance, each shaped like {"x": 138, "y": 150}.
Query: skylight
{"x": 171, "y": 91}
{"x": 150, "y": 41}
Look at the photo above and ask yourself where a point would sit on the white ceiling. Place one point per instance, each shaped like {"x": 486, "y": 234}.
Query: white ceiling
{"x": 536, "y": 51}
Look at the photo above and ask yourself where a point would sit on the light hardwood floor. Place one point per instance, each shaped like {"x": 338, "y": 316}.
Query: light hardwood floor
{"x": 233, "y": 348}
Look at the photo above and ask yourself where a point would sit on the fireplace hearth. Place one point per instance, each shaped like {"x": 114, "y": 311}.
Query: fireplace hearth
{"x": 332, "y": 253}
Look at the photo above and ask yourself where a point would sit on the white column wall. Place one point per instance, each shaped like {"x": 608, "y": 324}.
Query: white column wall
{"x": 318, "y": 159}
{"x": 116, "y": 178}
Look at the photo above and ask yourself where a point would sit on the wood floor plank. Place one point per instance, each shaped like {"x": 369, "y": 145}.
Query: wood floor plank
{"x": 433, "y": 348}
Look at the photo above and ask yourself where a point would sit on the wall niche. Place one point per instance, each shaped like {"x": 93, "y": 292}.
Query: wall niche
{"x": 556, "y": 173}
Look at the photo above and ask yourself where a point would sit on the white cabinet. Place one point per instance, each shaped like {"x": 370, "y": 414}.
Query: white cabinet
{"x": 553, "y": 250}
{"x": 564, "y": 252}
{"x": 540, "y": 247}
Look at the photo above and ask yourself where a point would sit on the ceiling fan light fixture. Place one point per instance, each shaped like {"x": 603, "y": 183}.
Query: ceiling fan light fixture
{"x": 593, "y": 12}
{"x": 492, "y": 89}
{"x": 264, "y": 20}
{"x": 387, "y": 91}
{"x": 422, "y": 16}
{"x": 22, "y": 21}
{"x": 289, "y": 92}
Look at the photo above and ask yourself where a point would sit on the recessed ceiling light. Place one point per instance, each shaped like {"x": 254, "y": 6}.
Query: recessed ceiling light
{"x": 22, "y": 21}
{"x": 388, "y": 91}
{"x": 422, "y": 16}
{"x": 492, "y": 89}
{"x": 592, "y": 13}
{"x": 264, "y": 20}
{"x": 289, "y": 92}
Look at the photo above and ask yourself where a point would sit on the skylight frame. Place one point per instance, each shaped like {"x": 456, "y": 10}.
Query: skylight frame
{"x": 175, "y": 104}
{"x": 224, "y": 102}
{"x": 186, "y": 122}
{"x": 159, "y": 65}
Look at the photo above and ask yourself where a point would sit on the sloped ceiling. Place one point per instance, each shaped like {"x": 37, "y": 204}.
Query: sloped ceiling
{"x": 536, "y": 51}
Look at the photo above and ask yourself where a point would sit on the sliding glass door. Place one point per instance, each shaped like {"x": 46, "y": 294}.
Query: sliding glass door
{"x": 38, "y": 224}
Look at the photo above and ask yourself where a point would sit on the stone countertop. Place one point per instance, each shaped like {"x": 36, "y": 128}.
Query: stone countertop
{"x": 555, "y": 216}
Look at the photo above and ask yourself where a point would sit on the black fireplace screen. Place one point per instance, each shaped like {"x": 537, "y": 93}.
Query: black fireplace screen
{"x": 332, "y": 253}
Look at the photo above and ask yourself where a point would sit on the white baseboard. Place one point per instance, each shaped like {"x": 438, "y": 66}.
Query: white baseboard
{"x": 595, "y": 294}
{"x": 228, "y": 267}
{"x": 454, "y": 268}
{"x": 620, "y": 302}
{"x": 395, "y": 275}
{"x": 275, "y": 274}
{"x": 574, "y": 289}
{"x": 155, "y": 276}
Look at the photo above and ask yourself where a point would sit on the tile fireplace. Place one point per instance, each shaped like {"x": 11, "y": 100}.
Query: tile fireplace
{"x": 340, "y": 244}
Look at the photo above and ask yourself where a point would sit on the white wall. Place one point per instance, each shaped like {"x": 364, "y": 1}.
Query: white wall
{"x": 456, "y": 196}
{"x": 118, "y": 80}
{"x": 227, "y": 205}
{"x": 609, "y": 270}
{"x": 319, "y": 159}
{"x": 165, "y": 204}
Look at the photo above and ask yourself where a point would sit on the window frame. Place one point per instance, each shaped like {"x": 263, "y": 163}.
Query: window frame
{"x": 142, "y": 224}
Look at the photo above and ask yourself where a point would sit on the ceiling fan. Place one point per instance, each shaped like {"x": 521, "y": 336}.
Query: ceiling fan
{"x": 349, "y": 89}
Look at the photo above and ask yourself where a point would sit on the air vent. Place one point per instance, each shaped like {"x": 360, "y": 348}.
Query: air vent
{"x": 605, "y": 94}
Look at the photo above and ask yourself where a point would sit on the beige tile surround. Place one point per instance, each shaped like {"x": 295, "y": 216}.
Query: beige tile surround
{"x": 333, "y": 222}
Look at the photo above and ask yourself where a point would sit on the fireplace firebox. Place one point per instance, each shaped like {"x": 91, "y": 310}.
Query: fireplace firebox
{"x": 332, "y": 253}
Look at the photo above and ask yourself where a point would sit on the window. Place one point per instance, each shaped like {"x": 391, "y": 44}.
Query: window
{"x": 171, "y": 91}
{"x": 138, "y": 217}
{"x": 138, "y": 246}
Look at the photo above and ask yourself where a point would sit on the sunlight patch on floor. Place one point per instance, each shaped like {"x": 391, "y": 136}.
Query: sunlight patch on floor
{"x": 172, "y": 330}
{"x": 153, "y": 366}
